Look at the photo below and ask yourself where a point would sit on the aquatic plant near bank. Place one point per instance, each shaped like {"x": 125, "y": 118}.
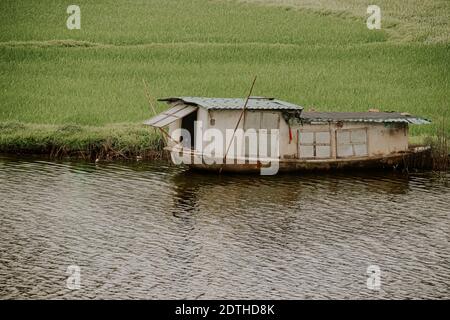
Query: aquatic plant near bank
{"x": 440, "y": 147}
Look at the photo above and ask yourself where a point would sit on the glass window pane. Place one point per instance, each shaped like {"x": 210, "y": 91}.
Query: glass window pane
{"x": 344, "y": 150}
{"x": 343, "y": 137}
{"x": 323, "y": 151}
{"x": 323, "y": 137}
{"x": 306, "y": 151}
{"x": 359, "y": 136}
{"x": 306, "y": 137}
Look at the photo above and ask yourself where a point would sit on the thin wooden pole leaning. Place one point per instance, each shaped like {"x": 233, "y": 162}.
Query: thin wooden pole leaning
{"x": 239, "y": 120}
{"x": 149, "y": 98}
{"x": 153, "y": 109}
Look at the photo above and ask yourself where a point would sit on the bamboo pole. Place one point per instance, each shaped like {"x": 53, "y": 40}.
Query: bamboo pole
{"x": 149, "y": 98}
{"x": 239, "y": 120}
{"x": 153, "y": 109}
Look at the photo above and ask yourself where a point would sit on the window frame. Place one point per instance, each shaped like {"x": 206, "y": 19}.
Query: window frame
{"x": 351, "y": 143}
{"x": 314, "y": 144}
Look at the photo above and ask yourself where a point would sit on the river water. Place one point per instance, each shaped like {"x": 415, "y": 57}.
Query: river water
{"x": 154, "y": 231}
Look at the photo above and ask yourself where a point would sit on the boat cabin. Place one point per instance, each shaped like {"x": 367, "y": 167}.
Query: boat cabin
{"x": 298, "y": 138}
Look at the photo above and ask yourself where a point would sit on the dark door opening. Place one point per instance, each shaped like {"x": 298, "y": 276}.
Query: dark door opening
{"x": 187, "y": 123}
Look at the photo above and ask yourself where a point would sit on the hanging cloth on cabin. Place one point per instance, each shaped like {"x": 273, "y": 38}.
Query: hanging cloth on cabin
{"x": 291, "y": 117}
{"x": 290, "y": 133}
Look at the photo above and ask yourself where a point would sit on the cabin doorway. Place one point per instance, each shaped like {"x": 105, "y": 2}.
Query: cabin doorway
{"x": 187, "y": 123}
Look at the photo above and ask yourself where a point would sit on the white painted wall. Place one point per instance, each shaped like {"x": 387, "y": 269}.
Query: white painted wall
{"x": 382, "y": 139}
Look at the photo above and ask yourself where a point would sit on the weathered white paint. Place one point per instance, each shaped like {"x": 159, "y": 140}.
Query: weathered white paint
{"x": 382, "y": 139}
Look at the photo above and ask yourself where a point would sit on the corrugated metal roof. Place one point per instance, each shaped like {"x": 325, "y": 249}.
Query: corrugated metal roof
{"x": 382, "y": 117}
{"x": 169, "y": 116}
{"x": 254, "y": 103}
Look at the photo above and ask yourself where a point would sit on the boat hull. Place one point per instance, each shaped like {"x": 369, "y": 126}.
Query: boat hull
{"x": 413, "y": 158}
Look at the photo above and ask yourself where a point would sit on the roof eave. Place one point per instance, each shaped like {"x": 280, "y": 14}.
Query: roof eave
{"x": 406, "y": 121}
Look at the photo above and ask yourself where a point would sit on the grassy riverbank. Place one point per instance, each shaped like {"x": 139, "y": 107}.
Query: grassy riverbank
{"x": 124, "y": 141}
{"x": 68, "y": 92}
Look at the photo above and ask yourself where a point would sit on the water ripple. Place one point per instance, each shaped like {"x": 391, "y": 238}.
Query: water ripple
{"x": 152, "y": 231}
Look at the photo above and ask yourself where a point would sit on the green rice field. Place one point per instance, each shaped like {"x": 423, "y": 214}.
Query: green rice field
{"x": 72, "y": 90}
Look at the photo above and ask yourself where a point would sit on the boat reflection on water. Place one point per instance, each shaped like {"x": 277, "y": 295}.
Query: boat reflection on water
{"x": 192, "y": 187}
{"x": 316, "y": 228}
{"x": 152, "y": 231}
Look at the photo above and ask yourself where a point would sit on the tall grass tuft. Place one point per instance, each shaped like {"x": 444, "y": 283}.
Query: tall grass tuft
{"x": 440, "y": 146}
